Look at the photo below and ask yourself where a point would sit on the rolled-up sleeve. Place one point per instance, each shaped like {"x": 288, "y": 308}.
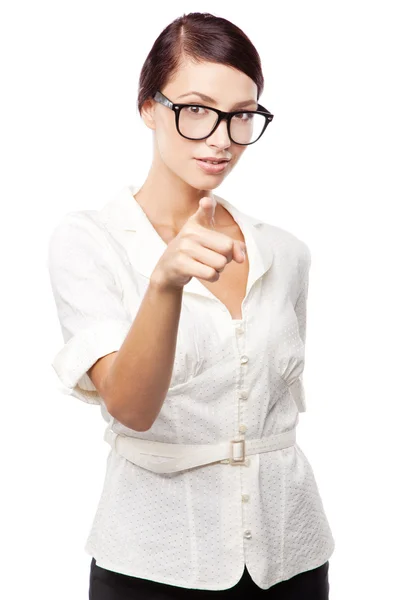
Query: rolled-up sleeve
{"x": 88, "y": 298}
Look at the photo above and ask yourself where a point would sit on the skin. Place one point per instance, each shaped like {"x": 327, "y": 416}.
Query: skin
{"x": 175, "y": 183}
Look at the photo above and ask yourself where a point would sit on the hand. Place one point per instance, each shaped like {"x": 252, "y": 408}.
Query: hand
{"x": 197, "y": 250}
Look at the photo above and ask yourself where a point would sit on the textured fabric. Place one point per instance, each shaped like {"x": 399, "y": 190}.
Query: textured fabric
{"x": 108, "y": 585}
{"x": 231, "y": 377}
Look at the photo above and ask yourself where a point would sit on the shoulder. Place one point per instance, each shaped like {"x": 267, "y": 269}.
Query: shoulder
{"x": 77, "y": 234}
{"x": 75, "y": 221}
{"x": 288, "y": 244}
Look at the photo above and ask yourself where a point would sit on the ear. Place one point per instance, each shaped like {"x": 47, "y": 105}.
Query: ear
{"x": 147, "y": 113}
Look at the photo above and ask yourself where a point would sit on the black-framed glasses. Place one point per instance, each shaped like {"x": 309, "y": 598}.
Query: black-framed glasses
{"x": 197, "y": 122}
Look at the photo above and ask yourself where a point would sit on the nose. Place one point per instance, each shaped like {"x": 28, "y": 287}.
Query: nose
{"x": 220, "y": 137}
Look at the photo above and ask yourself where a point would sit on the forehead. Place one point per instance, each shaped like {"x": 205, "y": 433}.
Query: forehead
{"x": 222, "y": 82}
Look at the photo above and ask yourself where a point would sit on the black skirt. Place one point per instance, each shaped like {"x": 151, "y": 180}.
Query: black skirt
{"x": 109, "y": 585}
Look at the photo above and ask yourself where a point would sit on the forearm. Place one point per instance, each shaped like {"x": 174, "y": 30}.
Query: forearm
{"x": 139, "y": 377}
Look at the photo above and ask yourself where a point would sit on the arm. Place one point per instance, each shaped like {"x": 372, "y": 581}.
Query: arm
{"x": 130, "y": 362}
{"x": 148, "y": 350}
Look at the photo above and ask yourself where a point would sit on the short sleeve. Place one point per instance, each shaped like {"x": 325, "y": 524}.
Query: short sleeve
{"x": 93, "y": 319}
{"x": 297, "y": 387}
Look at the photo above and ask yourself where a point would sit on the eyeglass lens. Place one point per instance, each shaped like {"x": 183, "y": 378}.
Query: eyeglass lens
{"x": 197, "y": 122}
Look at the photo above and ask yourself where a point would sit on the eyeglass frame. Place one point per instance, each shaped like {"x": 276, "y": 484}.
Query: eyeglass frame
{"x": 222, "y": 115}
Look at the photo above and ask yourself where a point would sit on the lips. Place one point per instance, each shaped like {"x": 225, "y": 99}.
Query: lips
{"x": 214, "y": 160}
{"x": 211, "y": 168}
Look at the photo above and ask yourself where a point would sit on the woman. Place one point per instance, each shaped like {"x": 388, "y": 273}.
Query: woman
{"x": 193, "y": 349}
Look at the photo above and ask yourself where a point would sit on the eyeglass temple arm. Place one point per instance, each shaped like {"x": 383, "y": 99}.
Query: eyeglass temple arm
{"x": 162, "y": 100}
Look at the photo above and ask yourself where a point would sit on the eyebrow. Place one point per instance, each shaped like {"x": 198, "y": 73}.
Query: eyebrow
{"x": 209, "y": 99}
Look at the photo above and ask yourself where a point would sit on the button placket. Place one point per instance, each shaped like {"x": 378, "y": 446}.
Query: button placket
{"x": 239, "y": 330}
{"x": 242, "y": 396}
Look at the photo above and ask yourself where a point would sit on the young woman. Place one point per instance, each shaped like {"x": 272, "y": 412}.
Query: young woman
{"x": 193, "y": 349}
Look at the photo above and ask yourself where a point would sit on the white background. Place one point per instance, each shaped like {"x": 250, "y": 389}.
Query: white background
{"x": 327, "y": 169}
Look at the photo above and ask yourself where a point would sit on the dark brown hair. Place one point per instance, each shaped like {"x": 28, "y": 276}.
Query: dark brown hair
{"x": 199, "y": 37}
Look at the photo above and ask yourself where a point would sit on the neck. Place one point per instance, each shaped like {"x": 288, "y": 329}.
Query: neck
{"x": 167, "y": 199}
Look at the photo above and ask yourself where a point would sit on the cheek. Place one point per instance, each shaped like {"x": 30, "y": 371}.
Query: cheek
{"x": 238, "y": 153}
{"x": 174, "y": 150}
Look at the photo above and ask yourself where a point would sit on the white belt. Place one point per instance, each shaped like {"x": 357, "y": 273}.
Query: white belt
{"x": 162, "y": 457}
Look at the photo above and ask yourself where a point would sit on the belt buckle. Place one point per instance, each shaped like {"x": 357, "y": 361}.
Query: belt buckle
{"x": 233, "y": 460}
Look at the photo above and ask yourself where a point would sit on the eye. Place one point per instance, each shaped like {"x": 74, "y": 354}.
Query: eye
{"x": 194, "y": 110}
{"x": 244, "y": 116}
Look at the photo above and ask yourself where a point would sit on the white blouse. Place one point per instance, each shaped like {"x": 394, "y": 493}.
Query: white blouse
{"x": 233, "y": 379}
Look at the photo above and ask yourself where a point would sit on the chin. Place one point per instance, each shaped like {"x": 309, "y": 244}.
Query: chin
{"x": 201, "y": 183}
{"x": 207, "y": 182}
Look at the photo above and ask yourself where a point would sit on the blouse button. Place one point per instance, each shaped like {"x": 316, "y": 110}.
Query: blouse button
{"x": 245, "y": 497}
{"x": 244, "y": 359}
{"x": 239, "y": 329}
{"x": 243, "y": 394}
{"x": 247, "y": 534}
{"x": 242, "y": 428}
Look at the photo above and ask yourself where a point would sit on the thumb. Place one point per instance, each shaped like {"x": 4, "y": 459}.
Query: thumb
{"x": 205, "y": 213}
